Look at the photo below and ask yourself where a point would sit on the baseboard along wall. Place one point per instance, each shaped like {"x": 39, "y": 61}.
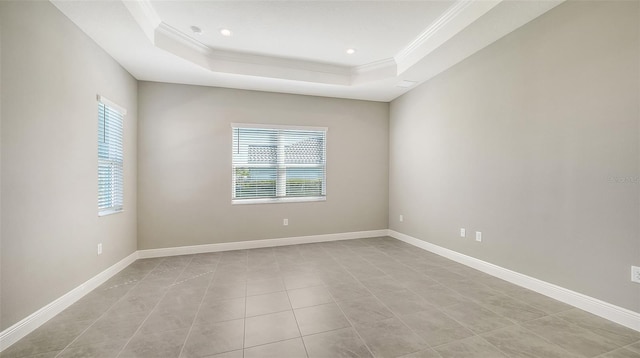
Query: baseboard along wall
{"x": 600, "y": 308}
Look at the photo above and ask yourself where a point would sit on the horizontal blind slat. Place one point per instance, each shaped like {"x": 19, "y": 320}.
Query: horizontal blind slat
{"x": 110, "y": 159}
{"x": 265, "y": 160}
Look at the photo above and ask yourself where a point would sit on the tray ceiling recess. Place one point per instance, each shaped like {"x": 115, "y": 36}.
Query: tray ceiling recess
{"x": 347, "y": 49}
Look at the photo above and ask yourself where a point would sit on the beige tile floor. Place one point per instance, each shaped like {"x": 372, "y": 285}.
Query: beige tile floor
{"x": 374, "y": 297}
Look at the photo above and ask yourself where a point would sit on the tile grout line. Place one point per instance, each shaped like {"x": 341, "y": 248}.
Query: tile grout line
{"x": 385, "y": 306}
{"x": 107, "y": 310}
{"x": 474, "y": 334}
{"x": 353, "y": 326}
{"x": 480, "y": 304}
{"x": 372, "y": 251}
{"x": 152, "y": 310}
{"x": 193, "y": 323}
{"x": 306, "y": 351}
{"x": 443, "y": 312}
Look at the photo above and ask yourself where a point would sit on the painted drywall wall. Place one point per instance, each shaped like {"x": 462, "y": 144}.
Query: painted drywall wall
{"x": 534, "y": 142}
{"x": 51, "y": 74}
{"x": 184, "y": 166}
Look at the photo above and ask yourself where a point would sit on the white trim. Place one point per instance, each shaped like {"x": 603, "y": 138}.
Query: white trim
{"x": 279, "y": 200}
{"x": 19, "y": 330}
{"x": 374, "y": 66}
{"x": 117, "y": 107}
{"x": 278, "y": 126}
{"x": 110, "y": 212}
{"x": 451, "y": 13}
{"x": 600, "y": 308}
{"x": 181, "y": 37}
{"x": 254, "y": 244}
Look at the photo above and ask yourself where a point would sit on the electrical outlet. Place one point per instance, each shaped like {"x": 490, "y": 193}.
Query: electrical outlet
{"x": 478, "y": 236}
{"x": 463, "y": 232}
{"x": 100, "y": 249}
{"x": 401, "y": 218}
{"x": 635, "y": 274}
{"x": 285, "y": 222}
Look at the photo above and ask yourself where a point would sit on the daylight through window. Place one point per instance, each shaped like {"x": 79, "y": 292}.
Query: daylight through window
{"x": 278, "y": 163}
{"x": 110, "y": 158}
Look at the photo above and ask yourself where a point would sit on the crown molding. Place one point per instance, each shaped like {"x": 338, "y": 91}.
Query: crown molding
{"x": 460, "y": 15}
{"x": 164, "y": 29}
{"x": 428, "y": 33}
{"x": 418, "y": 56}
{"x": 169, "y": 38}
{"x": 374, "y": 71}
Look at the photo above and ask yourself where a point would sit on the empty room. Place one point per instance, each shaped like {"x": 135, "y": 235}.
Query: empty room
{"x": 320, "y": 179}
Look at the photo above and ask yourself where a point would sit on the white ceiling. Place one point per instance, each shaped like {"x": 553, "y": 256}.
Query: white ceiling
{"x": 298, "y": 46}
{"x": 307, "y": 30}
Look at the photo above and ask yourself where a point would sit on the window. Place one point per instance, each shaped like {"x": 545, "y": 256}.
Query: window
{"x": 278, "y": 163}
{"x": 110, "y": 157}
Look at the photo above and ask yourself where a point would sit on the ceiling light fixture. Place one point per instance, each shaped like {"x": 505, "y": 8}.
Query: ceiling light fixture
{"x": 196, "y": 30}
{"x": 225, "y": 32}
{"x": 350, "y": 51}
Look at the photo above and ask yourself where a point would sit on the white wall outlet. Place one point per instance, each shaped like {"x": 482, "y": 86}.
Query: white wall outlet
{"x": 478, "y": 236}
{"x": 100, "y": 249}
{"x": 401, "y": 218}
{"x": 635, "y": 274}
{"x": 463, "y": 232}
{"x": 285, "y": 222}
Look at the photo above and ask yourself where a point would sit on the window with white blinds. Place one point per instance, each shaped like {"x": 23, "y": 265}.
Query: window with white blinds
{"x": 110, "y": 157}
{"x": 278, "y": 163}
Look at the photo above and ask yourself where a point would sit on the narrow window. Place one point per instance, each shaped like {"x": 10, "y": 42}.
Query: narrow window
{"x": 110, "y": 157}
{"x": 278, "y": 163}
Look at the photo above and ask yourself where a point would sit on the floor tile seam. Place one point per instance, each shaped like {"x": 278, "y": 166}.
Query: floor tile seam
{"x": 387, "y": 307}
{"x": 482, "y": 334}
{"x": 186, "y": 339}
{"x": 515, "y": 299}
{"x": 531, "y": 333}
{"x": 107, "y": 310}
{"x": 413, "y": 331}
{"x": 244, "y": 319}
{"x": 150, "y": 313}
{"x": 439, "y": 309}
{"x": 295, "y": 318}
{"x": 475, "y": 300}
{"x": 592, "y": 330}
{"x": 603, "y": 355}
{"x": 479, "y": 303}
{"x": 352, "y": 326}
{"x": 530, "y": 305}
{"x": 631, "y": 344}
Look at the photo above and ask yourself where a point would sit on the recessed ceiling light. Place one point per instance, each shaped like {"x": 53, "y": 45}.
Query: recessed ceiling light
{"x": 351, "y": 51}
{"x": 196, "y": 30}
{"x": 406, "y": 84}
{"x": 225, "y": 32}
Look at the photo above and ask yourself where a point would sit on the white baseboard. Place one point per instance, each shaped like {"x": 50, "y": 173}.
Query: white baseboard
{"x": 254, "y": 244}
{"x": 600, "y": 308}
{"x": 603, "y": 309}
{"x": 19, "y": 330}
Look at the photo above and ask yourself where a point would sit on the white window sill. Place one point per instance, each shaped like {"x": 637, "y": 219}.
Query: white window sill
{"x": 278, "y": 200}
{"x": 109, "y": 212}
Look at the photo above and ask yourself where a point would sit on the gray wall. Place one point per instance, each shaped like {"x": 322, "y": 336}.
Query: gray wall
{"x": 51, "y": 73}
{"x": 184, "y": 166}
{"x": 534, "y": 142}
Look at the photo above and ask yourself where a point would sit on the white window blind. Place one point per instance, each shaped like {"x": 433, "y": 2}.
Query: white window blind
{"x": 278, "y": 163}
{"x": 110, "y": 158}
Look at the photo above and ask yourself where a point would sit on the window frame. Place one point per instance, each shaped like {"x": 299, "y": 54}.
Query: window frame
{"x": 112, "y": 160}
{"x": 279, "y": 167}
